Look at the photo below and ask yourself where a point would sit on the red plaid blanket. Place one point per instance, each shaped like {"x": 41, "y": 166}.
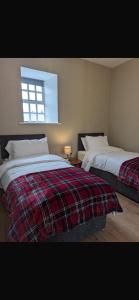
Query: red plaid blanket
{"x": 44, "y": 203}
{"x": 129, "y": 173}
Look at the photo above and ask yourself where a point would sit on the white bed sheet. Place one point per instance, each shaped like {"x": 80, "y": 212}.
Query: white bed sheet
{"x": 107, "y": 159}
{"x": 18, "y": 167}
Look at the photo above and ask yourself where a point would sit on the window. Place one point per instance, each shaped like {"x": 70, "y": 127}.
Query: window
{"x": 33, "y": 100}
{"x": 39, "y": 96}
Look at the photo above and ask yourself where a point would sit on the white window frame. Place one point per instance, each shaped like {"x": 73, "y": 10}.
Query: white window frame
{"x": 50, "y": 95}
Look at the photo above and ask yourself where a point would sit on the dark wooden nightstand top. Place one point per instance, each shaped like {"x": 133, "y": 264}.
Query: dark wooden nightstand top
{"x": 75, "y": 161}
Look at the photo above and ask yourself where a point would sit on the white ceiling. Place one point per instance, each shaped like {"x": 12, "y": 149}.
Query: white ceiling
{"x": 108, "y": 62}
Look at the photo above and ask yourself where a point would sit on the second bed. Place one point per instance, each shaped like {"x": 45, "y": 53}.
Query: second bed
{"x": 120, "y": 168}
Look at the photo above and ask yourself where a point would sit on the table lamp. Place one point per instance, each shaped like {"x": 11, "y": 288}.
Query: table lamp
{"x": 67, "y": 151}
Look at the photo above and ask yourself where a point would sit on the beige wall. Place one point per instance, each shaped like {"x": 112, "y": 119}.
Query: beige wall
{"x": 124, "y": 106}
{"x": 83, "y": 99}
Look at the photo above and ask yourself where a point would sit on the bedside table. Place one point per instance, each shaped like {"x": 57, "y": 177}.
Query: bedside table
{"x": 75, "y": 162}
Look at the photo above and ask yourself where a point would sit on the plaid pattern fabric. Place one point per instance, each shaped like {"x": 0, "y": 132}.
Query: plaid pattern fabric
{"x": 129, "y": 173}
{"x": 45, "y": 203}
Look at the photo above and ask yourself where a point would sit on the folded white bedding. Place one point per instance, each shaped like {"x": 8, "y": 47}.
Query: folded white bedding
{"x": 107, "y": 159}
{"x": 18, "y": 167}
{"x": 81, "y": 155}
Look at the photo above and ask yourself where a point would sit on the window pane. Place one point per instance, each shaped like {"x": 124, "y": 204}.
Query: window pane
{"x": 26, "y": 117}
{"x": 38, "y": 88}
{"x": 24, "y": 86}
{"x": 33, "y": 117}
{"x": 25, "y": 95}
{"x": 39, "y": 97}
{"x": 40, "y": 118}
{"x": 25, "y": 107}
{"x": 31, "y": 87}
{"x": 40, "y": 108}
{"x": 32, "y": 96}
{"x": 33, "y": 108}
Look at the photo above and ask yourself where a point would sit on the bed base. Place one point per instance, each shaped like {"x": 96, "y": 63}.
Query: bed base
{"x": 116, "y": 184}
{"x": 80, "y": 232}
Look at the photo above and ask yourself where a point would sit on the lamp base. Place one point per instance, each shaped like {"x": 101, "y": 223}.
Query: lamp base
{"x": 66, "y": 158}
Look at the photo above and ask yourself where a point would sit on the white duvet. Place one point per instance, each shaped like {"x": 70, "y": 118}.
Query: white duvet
{"x": 107, "y": 159}
{"x": 14, "y": 168}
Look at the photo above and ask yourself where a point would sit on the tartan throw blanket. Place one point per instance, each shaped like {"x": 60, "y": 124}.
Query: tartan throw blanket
{"x": 45, "y": 203}
{"x": 129, "y": 173}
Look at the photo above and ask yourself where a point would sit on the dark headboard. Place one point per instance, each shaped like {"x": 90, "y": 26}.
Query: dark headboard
{"x": 5, "y": 138}
{"x": 80, "y": 145}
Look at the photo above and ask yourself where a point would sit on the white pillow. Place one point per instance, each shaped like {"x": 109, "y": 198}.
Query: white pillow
{"x": 96, "y": 142}
{"x": 9, "y": 149}
{"x": 83, "y": 139}
{"x": 24, "y": 148}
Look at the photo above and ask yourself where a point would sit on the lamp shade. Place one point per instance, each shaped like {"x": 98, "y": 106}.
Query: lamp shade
{"x": 67, "y": 150}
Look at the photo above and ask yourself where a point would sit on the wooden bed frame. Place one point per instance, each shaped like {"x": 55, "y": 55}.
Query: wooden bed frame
{"x": 109, "y": 177}
{"x": 79, "y": 232}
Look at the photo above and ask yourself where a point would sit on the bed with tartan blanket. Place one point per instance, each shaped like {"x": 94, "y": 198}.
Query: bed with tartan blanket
{"x": 45, "y": 203}
{"x": 129, "y": 173}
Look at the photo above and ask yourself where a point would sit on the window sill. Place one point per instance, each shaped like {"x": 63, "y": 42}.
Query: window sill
{"x": 37, "y": 123}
